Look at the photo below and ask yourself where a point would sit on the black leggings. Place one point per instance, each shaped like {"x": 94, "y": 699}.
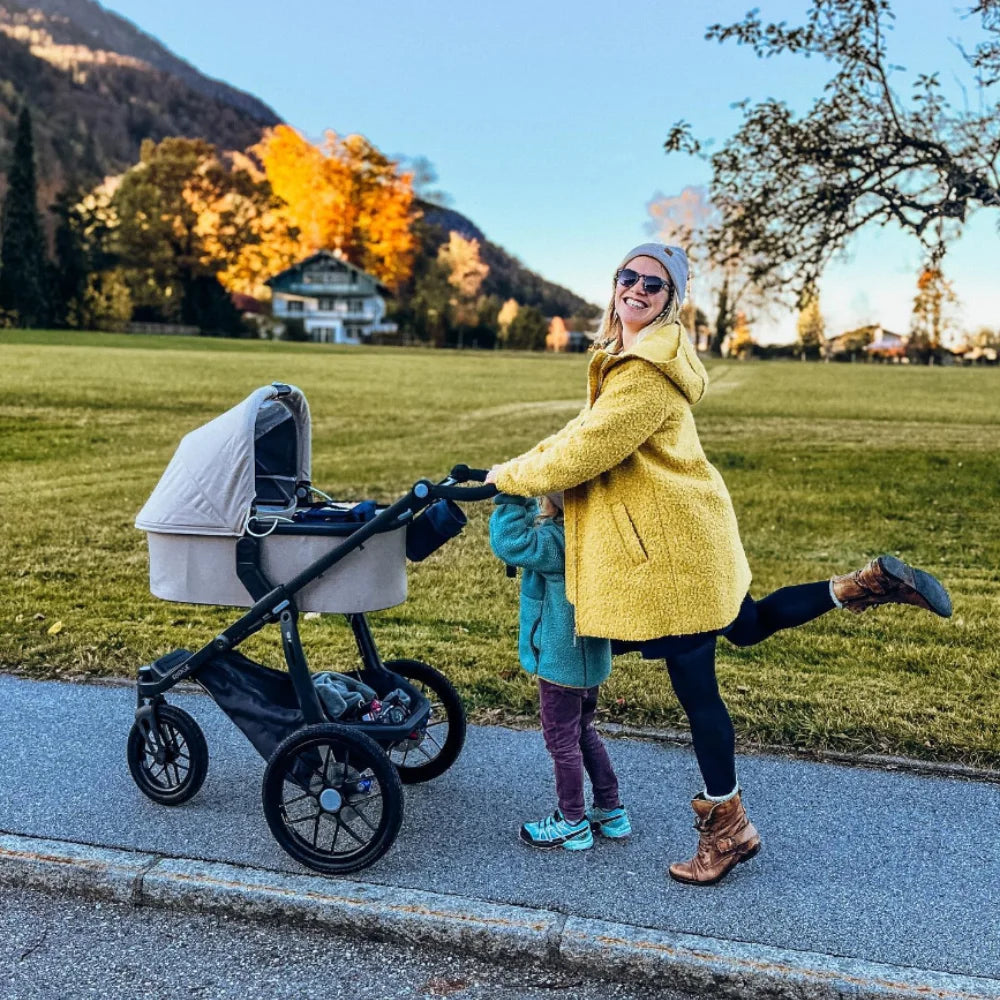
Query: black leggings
{"x": 692, "y": 674}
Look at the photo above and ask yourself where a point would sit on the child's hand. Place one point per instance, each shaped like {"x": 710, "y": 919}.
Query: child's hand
{"x": 491, "y": 476}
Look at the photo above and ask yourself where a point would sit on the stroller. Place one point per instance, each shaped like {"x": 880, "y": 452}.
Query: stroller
{"x": 234, "y": 520}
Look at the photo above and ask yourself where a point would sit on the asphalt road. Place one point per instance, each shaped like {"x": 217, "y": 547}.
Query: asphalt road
{"x": 54, "y": 948}
{"x": 879, "y": 866}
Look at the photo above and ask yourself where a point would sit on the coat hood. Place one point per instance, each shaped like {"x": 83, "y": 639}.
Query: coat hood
{"x": 669, "y": 348}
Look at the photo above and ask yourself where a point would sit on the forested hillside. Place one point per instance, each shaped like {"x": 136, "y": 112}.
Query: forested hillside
{"x": 161, "y": 191}
{"x": 97, "y": 86}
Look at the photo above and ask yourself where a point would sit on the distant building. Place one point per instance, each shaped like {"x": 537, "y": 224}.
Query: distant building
{"x": 887, "y": 345}
{"x": 873, "y": 343}
{"x": 337, "y": 302}
{"x": 854, "y": 344}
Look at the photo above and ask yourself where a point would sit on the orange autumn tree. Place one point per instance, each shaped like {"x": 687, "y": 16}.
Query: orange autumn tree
{"x": 271, "y": 242}
{"x": 186, "y": 215}
{"x": 344, "y": 195}
{"x": 557, "y": 338}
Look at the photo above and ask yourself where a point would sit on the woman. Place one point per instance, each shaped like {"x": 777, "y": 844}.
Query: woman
{"x": 654, "y": 560}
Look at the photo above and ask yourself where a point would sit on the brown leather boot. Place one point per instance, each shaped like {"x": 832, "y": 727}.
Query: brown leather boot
{"x": 888, "y": 580}
{"x": 725, "y": 838}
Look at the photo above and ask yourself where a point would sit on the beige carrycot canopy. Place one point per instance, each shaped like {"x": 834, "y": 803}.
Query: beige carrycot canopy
{"x": 255, "y": 454}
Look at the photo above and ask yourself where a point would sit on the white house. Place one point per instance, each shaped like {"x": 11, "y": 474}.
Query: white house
{"x": 337, "y": 302}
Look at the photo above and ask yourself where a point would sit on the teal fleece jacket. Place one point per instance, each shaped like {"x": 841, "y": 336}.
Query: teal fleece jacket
{"x": 547, "y": 642}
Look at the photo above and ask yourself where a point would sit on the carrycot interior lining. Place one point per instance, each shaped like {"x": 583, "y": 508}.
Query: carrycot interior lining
{"x": 276, "y": 454}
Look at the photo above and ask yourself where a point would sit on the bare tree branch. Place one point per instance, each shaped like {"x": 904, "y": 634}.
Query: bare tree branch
{"x": 791, "y": 191}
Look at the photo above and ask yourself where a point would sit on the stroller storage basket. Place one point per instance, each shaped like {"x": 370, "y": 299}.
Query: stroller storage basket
{"x": 201, "y": 569}
{"x": 263, "y": 704}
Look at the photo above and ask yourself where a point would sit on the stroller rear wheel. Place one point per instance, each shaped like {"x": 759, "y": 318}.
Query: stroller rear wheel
{"x": 430, "y": 751}
{"x": 173, "y": 771}
{"x": 332, "y": 799}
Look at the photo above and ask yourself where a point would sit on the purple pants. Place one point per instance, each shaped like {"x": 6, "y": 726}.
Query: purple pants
{"x": 575, "y": 746}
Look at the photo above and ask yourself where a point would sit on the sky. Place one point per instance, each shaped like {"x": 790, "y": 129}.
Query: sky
{"x": 546, "y": 121}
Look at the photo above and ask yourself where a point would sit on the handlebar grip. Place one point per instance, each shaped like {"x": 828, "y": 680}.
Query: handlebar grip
{"x": 463, "y": 474}
{"x": 463, "y": 493}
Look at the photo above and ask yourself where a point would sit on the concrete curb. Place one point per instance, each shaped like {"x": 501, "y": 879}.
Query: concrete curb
{"x": 683, "y": 962}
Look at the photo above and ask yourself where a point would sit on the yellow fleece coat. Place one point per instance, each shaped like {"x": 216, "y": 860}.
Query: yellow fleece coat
{"x": 652, "y": 544}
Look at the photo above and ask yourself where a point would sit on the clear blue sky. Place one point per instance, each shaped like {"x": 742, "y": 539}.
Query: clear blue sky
{"x": 545, "y": 121}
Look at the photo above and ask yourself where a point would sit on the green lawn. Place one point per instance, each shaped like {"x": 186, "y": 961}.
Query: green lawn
{"x": 828, "y": 465}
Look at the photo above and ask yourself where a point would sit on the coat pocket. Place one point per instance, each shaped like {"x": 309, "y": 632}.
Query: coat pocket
{"x": 529, "y": 634}
{"x": 631, "y": 541}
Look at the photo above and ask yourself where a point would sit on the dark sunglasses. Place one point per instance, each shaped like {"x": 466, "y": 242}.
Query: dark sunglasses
{"x": 651, "y": 284}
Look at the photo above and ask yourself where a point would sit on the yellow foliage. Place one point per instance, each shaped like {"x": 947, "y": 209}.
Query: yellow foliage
{"x": 507, "y": 313}
{"x": 345, "y": 195}
{"x": 557, "y": 339}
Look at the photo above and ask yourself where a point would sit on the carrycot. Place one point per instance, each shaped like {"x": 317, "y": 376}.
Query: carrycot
{"x": 251, "y": 466}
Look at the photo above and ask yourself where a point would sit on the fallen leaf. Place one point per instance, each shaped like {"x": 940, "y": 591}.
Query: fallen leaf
{"x": 55, "y": 628}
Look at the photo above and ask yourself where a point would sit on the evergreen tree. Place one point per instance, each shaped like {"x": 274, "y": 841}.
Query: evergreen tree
{"x": 22, "y": 245}
{"x": 69, "y": 273}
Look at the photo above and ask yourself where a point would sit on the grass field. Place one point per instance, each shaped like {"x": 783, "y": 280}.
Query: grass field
{"x": 828, "y": 465}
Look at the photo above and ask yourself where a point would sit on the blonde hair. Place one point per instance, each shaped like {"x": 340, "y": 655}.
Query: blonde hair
{"x": 609, "y": 337}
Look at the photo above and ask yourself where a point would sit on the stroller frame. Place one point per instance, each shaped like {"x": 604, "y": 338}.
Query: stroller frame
{"x": 156, "y": 722}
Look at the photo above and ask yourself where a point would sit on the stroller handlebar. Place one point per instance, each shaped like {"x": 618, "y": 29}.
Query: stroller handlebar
{"x": 448, "y": 489}
{"x": 462, "y": 493}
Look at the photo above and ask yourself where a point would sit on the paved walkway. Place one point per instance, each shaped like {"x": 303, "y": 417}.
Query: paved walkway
{"x": 858, "y": 865}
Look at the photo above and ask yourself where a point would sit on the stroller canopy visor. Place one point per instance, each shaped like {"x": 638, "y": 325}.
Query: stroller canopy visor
{"x": 254, "y": 453}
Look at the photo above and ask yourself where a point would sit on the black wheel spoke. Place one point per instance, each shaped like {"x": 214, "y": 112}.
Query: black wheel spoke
{"x": 361, "y": 816}
{"x": 302, "y": 819}
{"x": 350, "y": 832}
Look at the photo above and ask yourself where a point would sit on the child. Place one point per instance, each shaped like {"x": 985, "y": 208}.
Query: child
{"x": 530, "y": 534}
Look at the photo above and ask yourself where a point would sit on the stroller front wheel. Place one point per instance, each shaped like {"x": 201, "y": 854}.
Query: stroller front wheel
{"x": 332, "y": 799}
{"x": 172, "y": 771}
{"x": 431, "y": 751}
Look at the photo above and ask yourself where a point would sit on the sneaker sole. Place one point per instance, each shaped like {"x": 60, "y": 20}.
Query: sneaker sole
{"x": 600, "y": 832}
{"x": 927, "y": 586}
{"x": 752, "y": 853}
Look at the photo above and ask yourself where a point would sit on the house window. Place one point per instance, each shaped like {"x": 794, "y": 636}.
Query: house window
{"x": 294, "y": 305}
{"x": 326, "y": 305}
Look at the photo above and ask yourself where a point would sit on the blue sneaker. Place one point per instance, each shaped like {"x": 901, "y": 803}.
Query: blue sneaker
{"x": 554, "y": 831}
{"x": 611, "y": 823}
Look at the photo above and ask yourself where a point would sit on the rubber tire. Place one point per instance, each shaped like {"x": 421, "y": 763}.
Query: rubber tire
{"x": 392, "y": 798}
{"x": 415, "y": 670}
{"x": 190, "y": 732}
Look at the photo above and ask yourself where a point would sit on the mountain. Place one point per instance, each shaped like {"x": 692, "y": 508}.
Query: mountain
{"x": 508, "y": 277}
{"x": 97, "y": 86}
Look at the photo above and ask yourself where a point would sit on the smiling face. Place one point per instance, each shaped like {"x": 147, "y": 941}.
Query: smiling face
{"x": 637, "y": 308}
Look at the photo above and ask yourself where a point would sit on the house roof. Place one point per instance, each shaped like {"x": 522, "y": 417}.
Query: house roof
{"x": 289, "y": 278}
{"x": 886, "y": 346}
{"x": 873, "y": 330}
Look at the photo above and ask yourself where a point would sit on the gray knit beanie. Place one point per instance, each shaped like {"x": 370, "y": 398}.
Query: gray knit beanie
{"x": 674, "y": 259}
